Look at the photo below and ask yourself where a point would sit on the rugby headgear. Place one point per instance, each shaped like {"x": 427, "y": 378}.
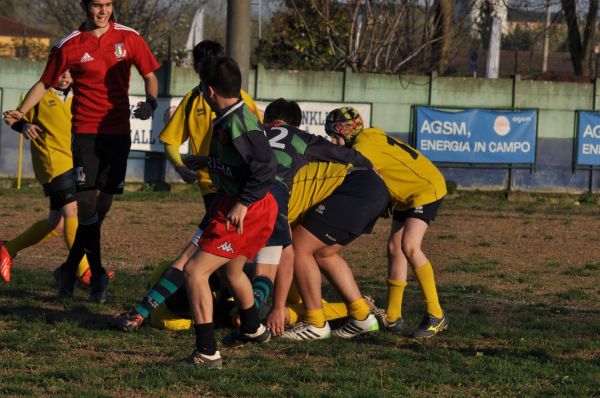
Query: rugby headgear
{"x": 344, "y": 122}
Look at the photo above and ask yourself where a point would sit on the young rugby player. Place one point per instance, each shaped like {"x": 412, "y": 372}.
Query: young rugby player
{"x": 242, "y": 168}
{"x": 48, "y": 126}
{"x": 416, "y": 189}
{"x": 318, "y": 240}
{"x": 192, "y": 122}
{"x": 99, "y": 55}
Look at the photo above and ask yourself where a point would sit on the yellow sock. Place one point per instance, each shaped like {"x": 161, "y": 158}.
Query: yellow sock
{"x": 425, "y": 277}
{"x": 395, "y": 295}
{"x": 70, "y": 228}
{"x": 36, "y": 233}
{"x": 315, "y": 317}
{"x": 293, "y": 314}
{"x": 335, "y": 310}
{"x": 358, "y": 309}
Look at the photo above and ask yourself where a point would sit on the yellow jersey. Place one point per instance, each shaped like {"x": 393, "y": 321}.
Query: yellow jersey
{"x": 411, "y": 179}
{"x": 313, "y": 183}
{"x": 51, "y": 151}
{"x": 192, "y": 121}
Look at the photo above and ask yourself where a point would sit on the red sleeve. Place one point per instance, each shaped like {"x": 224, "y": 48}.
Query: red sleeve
{"x": 143, "y": 59}
{"x": 56, "y": 65}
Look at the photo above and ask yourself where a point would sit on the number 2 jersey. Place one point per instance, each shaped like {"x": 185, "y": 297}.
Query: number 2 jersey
{"x": 294, "y": 148}
{"x": 412, "y": 179}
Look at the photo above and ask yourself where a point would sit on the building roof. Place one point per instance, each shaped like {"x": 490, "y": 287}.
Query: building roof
{"x": 10, "y": 27}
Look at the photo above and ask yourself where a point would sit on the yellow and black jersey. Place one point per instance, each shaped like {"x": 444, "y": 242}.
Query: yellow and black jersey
{"x": 412, "y": 179}
{"x": 313, "y": 183}
{"x": 192, "y": 121}
{"x": 51, "y": 151}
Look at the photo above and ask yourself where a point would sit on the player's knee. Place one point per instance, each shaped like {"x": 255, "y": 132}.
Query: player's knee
{"x": 394, "y": 249}
{"x": 86, "y": 204}
{"x": 411, "y": 250}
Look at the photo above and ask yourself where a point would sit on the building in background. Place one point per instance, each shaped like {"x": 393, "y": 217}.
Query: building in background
{"x": 22, "y": 41}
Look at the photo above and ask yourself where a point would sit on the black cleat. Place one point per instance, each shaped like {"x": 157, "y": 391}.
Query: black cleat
{"x": 99, "y": 287}
{"x": 65, "y": 281}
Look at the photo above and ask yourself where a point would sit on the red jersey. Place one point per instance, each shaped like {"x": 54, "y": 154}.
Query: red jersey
{"x": 101, "y": 68}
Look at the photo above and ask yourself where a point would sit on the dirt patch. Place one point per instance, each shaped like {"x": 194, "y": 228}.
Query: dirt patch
{"x": 511, "y": 249}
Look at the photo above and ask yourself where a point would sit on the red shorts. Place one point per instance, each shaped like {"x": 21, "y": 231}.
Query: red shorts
{"x": 258, "y": 226}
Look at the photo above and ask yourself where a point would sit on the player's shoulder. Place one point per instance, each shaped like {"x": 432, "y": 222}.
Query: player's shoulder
{"x": 68, "y": 40}
{"x": 126, "y": 30}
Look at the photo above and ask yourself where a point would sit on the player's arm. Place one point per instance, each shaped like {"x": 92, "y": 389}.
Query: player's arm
{"x": 33, "y": 97}
{"x": 323, "y": 150}
{"x": 258, "y": 156}
{"x": 281, "y": 288}
{"x": 145, "y": 108}
{"x": 174, "y": 157}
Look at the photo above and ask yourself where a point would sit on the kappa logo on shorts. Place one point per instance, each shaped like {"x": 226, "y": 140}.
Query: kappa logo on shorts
{"x": 320, "y": 209}
{"x": 121, "y": 185}
{"x": 226, "y": 247}
{"x": 80, "y": 175}
{"x": 418, "y": 210}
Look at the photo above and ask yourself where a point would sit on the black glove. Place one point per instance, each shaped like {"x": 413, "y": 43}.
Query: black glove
{"x": 145, "y": 109}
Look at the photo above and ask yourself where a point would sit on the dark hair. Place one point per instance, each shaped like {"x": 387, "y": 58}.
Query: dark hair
{"x": 86, "y": 4}
{"x": 287, "y": 111}
{"x": 222, "y": 74}
{"x": 206, "y": 48}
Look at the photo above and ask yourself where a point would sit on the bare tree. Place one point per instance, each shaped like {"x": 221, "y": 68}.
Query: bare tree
{"x": 386, "y": 36}
{"x": 156, "y": 20}
{"x": 441, "y": 41}
{"x": 581, "y": 50}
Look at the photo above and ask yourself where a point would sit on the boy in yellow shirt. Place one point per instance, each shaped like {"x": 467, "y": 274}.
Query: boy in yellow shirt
{"x": 48, "y": 126}
{"x": 416, "y": 188}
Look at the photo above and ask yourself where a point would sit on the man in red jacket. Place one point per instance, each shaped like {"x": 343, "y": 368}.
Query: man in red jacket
{"x": 99, "y": 55}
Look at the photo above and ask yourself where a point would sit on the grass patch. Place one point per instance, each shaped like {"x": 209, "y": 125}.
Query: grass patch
{"x": 474, "y": 264}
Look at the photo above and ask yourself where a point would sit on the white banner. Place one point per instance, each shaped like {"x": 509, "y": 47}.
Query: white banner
{"x": 314, "y": 113}
{"x": 144, "y": 133}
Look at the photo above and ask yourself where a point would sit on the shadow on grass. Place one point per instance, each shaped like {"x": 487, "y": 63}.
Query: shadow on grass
{"x": 80, "y": 315}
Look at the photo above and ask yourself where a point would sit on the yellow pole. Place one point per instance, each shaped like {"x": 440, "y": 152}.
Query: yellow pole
{"x": 20, "y": 165}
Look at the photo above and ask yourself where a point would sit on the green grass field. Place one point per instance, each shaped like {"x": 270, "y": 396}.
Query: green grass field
{"x": 514, "y": 331}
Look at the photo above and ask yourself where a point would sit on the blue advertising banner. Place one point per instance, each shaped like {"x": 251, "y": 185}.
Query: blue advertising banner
{"x": 588, "y": 139}
{"x": 477, "y": 135}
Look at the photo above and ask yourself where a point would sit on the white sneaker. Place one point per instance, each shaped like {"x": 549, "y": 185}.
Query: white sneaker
{"x": 306, "y": 331}
{"x": 354, "y": 327}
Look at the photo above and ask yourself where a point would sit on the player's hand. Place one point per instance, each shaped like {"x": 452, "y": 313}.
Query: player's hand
{"x": 145, "y": 108}
{"x": 195, "y": 162}
{"x": 12, "y": 116}
{"x": 236, "y": 217}
{"x": 276, "y": 321}
{"x": 186, "y": 174}
{"x": 31, "y": 131}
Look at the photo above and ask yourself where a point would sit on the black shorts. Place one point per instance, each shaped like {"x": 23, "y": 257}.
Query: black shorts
{"x": 353, "y": 208}
{"x": 209, "y": 200}
{"x": 281, "y": 231}
{"x": 100, "y": 161}
{"x": 426, "y": 212}
{"x": 61, "y": 190}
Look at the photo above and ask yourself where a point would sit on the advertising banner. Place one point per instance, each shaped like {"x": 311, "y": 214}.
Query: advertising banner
{"x": 314, "y": 113}
{"x": 477, "y": 135}
{"x": 144, "y": 133}
{"x": 588, "y": 139}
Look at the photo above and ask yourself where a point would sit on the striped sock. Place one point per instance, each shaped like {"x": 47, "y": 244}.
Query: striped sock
{"x": 261, "y": 286}
{"x": 171, "y": 280}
